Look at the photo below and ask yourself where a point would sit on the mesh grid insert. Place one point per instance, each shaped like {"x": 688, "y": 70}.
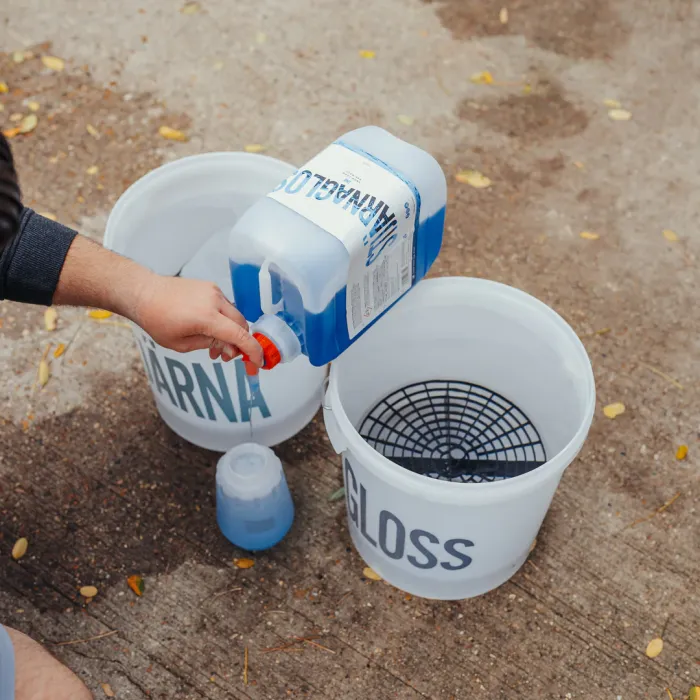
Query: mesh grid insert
{"x": 454, "y": 431}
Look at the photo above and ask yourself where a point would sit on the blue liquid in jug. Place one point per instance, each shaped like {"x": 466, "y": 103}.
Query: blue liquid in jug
{"x": 324, "y": 335}
{"x": 255, "y": 524}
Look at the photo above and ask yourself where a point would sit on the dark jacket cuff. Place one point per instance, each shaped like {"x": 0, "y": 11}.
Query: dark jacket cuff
{"x": 31, "y": 265}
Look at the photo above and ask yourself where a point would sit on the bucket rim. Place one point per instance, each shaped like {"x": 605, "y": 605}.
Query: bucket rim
{"x": 198, "y": 159}
{"x": 384, "y": 467}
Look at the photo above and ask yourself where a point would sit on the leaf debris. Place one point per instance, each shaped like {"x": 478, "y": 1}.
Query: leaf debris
{"x": 254, "y": 148}
{"x": 20, "y": 548}
{"x": 172, "y": 134}
{"x": 50, "y": 318}
{"x": 681, "y": 452}
{"x": 44, "y": 373}
{"x": 102, "y": 635}
{"x": 53, "y": 63}
{"x": 371, "y": 574}
{"x": 611, "y": 104}
{"x": 245, "y": 666}
{"x": 620, "y": 115}
{"x": 190, "y": 8}
{"x": 473, "y": 178}
{"x": 613, "y": 410}
{"x": 405, "y": 119}
{"x": 337, "y": 495}
{"x": 503, "y": 15}
{"x": 99, "y": 314}
{"x": 670, "y": 236}
{"x": 244, "y": 563}
{"x": 482, "y": 78}
{"x": 660, "y": 509}
{"x": 107, "y": 690}
{"x": 60, "y": 349}
{"x": 365, "y": 53}
{"x": 665, "y": 376}
{"x": 589, "y": 235}
{"x": 28, "y": 124}
{"x": 136, "y": 584}
{"x": 654, "y": 647}
{"x": 88, "y": 591}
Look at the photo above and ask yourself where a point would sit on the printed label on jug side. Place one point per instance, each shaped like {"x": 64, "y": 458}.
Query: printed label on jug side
{"x": 372, "y": 211}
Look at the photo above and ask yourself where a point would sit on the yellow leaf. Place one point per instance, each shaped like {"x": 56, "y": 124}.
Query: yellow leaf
{"x": 60, "y": 349}
{"x": 682, "y": 452}
{"x": 3, "y": 88}
{"x": 405, "y": 119}
{"x": 371, "y": 574}
{"x": 261, "y": 37}
{"x": 53, "y": 63}
{"x": 364, "y": 53}
{"x": 613, "y": 410}
{"x": 483, "y": 78}
{"x": 620, "y": 115}
{"x": 18, "y": 56}
{"x": 107, "y": 690}
{"x": 473, "y": 178}
{"x": 503, "y": 15}
{"x": 244, "y": 563}
{"x": 254, "y": 148}
{"x": 527, "y": 89}
{"x": 28, "y": 124}
{"x": 20, "y": 548}
{"x": 92, "y": 131}
{"x": 611, "y": 104}
{"x": 16, "y": 117}
{"x": 694, "y": 693}
{"x": 99, "y": 314}
{"x": 670, "y": 236}
{"x": 589, "y": 235}
{"x": 33, "y": 106}
{"x": 44, "y": 373}
{"x": 654, "y": 647}
{"x": 88, "y": 591}
{"x": 172, "y": 134}
{"x": 50, "y": 317}
{"x": 579, "y": 164}
{"x": 10, "y": 133}
{"x": 92, "y": 170}
{"x": 190, "y": 8}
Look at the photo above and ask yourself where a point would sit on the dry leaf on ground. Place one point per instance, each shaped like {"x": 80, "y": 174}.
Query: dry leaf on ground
{"x": 611, "y": 104}
{"x": 10, "y": 133}
{"x": 172, "y": 134}
{"x": 50, "y": 318}
{"x": 337, "y": 495}
{"x": 88, "y": 591}
{"x": 482, "y": 78}
{"x": 620, "y": 115}
{"x": 190, "y": 8}
{"x": 503, "y": 15}
{"x": 364, "y": 53}
{"x": 694, "y": 693}
{"x": 33, "y": 106}
{"x": 136, "y": 584}
{"x": 53, "y": 63}
{"x": 473, "y": 178}
{"x": 20, "y": 548}
{"x": 107, "y": 690}
{"x": 92, "y": 131}
{"x": 92, "y": 170}
{"x": 654, "y": 647}
{"x": 682, "y": 452}
{"x": 3, "y": 88}
{"x": 613, "y": 410}
{"x": 244, "y": 563}
{"x": 371, "y": 574}
{"x": 405, "y": 119}
{"x": 99, "y": 314}
{"x": 670, "y": 236}
{"x": 589, "y": 235}
{"x": 261, "y": 37}
{"x": 60, "y": 349}
{"x": 44, "y": 373}
{"x": 254, "y": 148}
{"x": 28, "y": 124}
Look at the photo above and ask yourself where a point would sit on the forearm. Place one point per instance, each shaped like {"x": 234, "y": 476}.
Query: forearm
{"x": 95, "y": 276}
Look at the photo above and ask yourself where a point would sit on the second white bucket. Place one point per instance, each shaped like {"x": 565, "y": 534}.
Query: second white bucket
{"x": 161, "y": 221}
{"x": 456, "y": 417}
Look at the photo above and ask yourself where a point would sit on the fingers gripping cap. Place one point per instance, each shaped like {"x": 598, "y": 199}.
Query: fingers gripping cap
{"x": 271, "y": 355}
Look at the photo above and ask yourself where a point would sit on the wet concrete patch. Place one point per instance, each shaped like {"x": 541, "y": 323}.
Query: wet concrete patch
{"x": 577, "y": 29}
{"x": 544, "y": 113}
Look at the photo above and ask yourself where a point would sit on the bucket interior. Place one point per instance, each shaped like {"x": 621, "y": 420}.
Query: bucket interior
{"x": 468, "y": 381}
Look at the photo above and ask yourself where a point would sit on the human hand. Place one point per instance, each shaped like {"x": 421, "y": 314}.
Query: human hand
{"x": 185, "y": 314}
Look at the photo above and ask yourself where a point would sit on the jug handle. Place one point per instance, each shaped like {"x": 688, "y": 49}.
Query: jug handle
{"x": 265, "y": 283}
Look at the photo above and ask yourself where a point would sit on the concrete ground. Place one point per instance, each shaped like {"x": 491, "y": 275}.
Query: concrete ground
{"x": 103, "y": 490}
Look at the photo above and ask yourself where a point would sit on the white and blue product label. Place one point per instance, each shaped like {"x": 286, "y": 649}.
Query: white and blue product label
{"x": 373, "y": 211}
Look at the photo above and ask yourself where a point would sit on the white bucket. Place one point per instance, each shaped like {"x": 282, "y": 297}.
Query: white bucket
{"x": 160, "y": 222}
{"x": 437, "y": 538}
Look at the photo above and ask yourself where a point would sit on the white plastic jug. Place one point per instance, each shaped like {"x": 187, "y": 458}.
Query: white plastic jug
{"x": 336, "y": 244}
{"x": 176, "y": 214}
{"x": 450, "y": 466}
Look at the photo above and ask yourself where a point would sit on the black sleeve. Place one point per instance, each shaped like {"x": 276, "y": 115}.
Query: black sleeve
{"x": 32, "y": 262}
